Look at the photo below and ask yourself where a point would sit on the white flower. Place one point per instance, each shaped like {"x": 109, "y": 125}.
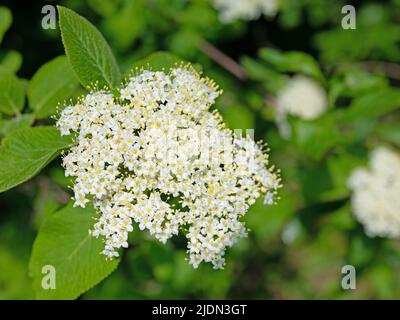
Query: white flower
{"x": 376, "y": 194}
{"x": 231, "y": 10}
{"x": 302, "y": 97}
{"x": 157, "y": 156}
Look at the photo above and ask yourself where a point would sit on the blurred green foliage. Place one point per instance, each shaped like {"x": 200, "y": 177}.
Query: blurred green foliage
{"x": 295, "y": 249}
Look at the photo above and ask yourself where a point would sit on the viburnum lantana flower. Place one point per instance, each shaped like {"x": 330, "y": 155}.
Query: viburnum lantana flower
{"x": 231, "y": 10}
{"x": 156, "y": 155}
{"x": 301, "y": 97}
{"x": 376, "y": 191}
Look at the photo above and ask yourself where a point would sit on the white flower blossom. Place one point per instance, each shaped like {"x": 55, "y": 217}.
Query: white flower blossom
{"x": 157, "y": 156}
{"x": 302, "y": 97}
{"x": 231, "y": 10}
{"x": 376, "y": 194}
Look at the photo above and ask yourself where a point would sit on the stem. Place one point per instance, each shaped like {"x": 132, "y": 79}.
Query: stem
{"x": 223, "y": 60}
{"x": 392, "y": 70}
{"x": 48, "y": 184}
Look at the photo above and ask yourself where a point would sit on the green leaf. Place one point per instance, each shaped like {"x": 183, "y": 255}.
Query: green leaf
{"x": 315, "y": 180}
{"x": 316, "y": 137}
{"x": 372, "y": 105}
{"x": 24, "y": 152}
{"x": 293, "y": 61}
{"x": 272, "y": 80}
{"x": 199, "y": 15}
{"x": 239, "y": 117}
{"x": 374, "y": 42}
{"x": 383, "y": 277}
{"x": 104, "y": 8}
{"x": 389, "y": 132}
{"x": 158, "y": 61}
{"x": 48, "y": 200}
{"x": 185, "y": 42}
{"x": 87, "y": 50}
{"x": 340, "y": 166}
{"x": 267, "y": 221}
{"x": 12, "y": 95}
{"x": 5, "y": 21}
{"x": 58, "y": 75}
{"x": 131, "y": 20}
{"x": 65, "y": 243}
{"x": 18, "y": 122}
{"x": 360, "y": 82}
{"x": 361, "y": 250}
{"x": 342, "y": 219}
{"x": 12, "y": 61}
{"x": 14, "y": 280}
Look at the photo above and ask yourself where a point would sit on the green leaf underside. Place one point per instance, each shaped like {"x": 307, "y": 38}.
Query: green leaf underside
{"x": 12, "y": 94}
{"x": 65, "y": 243}
{"x": 58, "y": 75}
{"x": 87, "y": 51}
{"x": 24, "y": 152}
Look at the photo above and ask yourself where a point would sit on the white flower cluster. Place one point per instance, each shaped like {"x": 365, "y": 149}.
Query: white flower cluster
{"x": 156, "y": 155}
{"x": 231, "y": 10}
{"x": 376, "y": 194}
{"x": 302, "y": 97}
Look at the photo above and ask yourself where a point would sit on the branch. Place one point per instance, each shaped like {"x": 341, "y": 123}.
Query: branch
{"x": 222, "y": 59}
{"x": 391, "y": 70}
